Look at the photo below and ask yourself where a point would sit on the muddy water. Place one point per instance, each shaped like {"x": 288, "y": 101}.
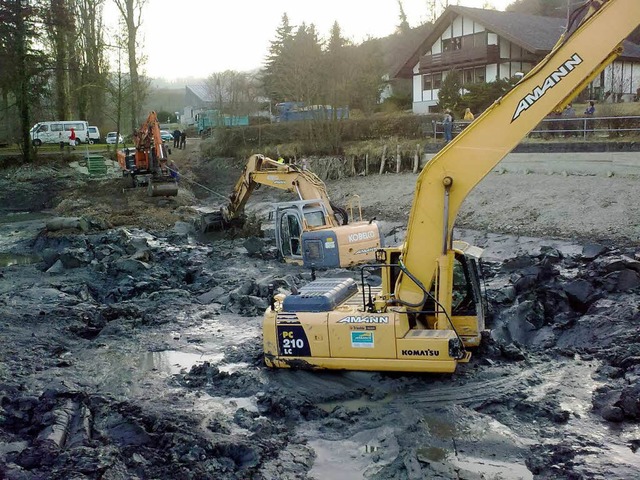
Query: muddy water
{"x": 197, "y": 367}
{"x": 9, "y": 259}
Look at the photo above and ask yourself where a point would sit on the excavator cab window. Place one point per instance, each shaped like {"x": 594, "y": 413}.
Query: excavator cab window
{"x": 315, "y": 219}
{"x": 290, "y": 231}
{"x": 464, "y": 295}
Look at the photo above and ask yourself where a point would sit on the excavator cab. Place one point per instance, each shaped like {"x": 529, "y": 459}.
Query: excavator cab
{"x": 304, "y": 235}
{"x": 292, "y": 219}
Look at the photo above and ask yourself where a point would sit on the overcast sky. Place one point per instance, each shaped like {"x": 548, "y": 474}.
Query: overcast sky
{"x": 199, "y": 37}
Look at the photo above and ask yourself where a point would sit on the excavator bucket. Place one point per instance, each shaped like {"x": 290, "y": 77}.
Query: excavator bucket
{"x": 162, "y": 189}
{"x": 212, "y": 222}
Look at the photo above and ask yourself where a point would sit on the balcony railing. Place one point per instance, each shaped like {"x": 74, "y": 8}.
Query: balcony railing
{"x": 468, "y": 57}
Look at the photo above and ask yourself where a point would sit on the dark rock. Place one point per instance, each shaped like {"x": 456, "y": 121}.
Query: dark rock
{"x": 630, "y": 401}
{"x": 75, "y": 257}
{"x": 129, "y": 265}
{"x": 626, "y": 280}
{"x": 579, "y": 292}
{"x": 612, "y": 413}
{"x": 212, "y": 295}
{"x": 512, "y": 352}
{"x": 57, "y": 267}
{"x": 592, "y": 250}
{"x": 254, "y": 245}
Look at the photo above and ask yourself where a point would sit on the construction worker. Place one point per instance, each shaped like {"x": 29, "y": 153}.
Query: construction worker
{"x": 280, "y": 159}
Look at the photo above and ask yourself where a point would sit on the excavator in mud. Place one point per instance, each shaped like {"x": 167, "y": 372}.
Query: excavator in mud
{"x": 146, "y": 163}
{"x": 427, "y": 311}
{"x": 311, "y": 231}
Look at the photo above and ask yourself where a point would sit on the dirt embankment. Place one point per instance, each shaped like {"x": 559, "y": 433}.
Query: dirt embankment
{"x": 133, "y": 350}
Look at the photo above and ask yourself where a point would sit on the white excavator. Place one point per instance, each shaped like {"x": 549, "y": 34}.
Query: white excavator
{"x": 428, "y": 312}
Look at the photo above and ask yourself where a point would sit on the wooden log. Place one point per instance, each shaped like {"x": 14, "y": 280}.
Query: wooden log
{"x": 383, "y": 159}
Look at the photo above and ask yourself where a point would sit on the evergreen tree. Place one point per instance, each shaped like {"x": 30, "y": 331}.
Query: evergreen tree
{"x": 449, "y": 94}
{"x": 403, "y": 27}
{"x": 301, "y": 77}
{"x": 274, "y": 65}
{"x": 23, "y": 65}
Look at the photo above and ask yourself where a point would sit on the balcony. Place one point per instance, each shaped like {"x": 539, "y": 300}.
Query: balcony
{"x": 469, "y": 57}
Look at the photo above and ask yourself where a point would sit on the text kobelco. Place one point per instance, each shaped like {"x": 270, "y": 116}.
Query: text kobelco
{"x": 364, "y": 319}
{"x": 358, "y": 237}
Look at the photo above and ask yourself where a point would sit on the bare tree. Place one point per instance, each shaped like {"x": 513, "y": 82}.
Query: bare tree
{"x": 60, "y": 28}
{"x": 92, "y": 46}
{"x": 234, "y": 93}
{"x": 131, "y": 11}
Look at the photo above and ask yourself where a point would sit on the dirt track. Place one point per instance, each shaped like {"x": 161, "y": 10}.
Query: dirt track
{"x": 132, "y": 349}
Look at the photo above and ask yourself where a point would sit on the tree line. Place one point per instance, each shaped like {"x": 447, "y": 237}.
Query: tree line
{"x": 302, "y": 67}
{"x": 54, "y": 64}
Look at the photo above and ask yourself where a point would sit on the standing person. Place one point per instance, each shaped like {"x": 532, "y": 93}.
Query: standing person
{"x": 591, "y": 108}
{"x": 467, "y": 114}
{"x": 569, "y": 124}
{"x": 183, "y": 139}
{"x": 72, "y": 139}
{"x": 176, "y": 138}
{"x": 173, "y": 171}
{"x": 589, "y": 112}
{"x": 447, "y": 122}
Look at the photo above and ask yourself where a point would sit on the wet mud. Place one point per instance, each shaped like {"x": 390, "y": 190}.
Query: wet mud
{"x": 135, "y": 354}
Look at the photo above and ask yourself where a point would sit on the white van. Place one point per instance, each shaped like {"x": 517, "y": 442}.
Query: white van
{"x": 56, "y": 132}
{"x": 94, "y": 134}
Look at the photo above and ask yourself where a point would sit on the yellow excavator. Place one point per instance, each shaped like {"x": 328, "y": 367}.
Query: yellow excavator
{"x": 146, "y": 163}
{"x": 427, "y": 311}
{"x": 311, "y": 231}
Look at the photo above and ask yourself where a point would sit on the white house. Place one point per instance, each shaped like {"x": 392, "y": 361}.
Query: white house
{"x": 486, "y": 45}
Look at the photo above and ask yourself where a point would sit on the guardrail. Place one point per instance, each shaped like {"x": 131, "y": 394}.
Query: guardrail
{"x": 564, "y": 127}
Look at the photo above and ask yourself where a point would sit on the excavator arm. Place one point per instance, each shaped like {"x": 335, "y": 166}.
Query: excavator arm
{"x": 261, "y": 170}
{"x": 147, "y": 162}
{"x": 592, "y": 42}
{"x": 311, "y": 230}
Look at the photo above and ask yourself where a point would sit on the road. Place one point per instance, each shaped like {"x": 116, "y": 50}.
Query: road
{"x": 583, "y": 163}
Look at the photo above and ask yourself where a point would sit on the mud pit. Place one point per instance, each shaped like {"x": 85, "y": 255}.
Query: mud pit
{"x": 133, "y": 349}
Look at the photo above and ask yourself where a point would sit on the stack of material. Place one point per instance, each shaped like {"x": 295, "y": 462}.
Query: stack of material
{"x": 96, "y": 165}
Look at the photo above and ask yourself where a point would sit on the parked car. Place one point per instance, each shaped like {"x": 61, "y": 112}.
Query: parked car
{"x": 166, "y": 136}
{"x": 94, "y": 134}
{"x": 111, "y": 138}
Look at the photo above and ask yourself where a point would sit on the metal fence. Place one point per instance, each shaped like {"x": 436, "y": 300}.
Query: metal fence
{"x": 564, "y": 127}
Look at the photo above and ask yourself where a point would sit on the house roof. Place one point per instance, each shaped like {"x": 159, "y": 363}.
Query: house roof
{"x": 533, "y": 33}
{"x": 397, "y": 47}
{"x": 201, "y": 91}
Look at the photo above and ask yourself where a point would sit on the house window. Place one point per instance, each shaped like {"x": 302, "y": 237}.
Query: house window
{"x": 451, "y": 44}
{"x": 474, "y": 41}
{"x": 437, "y": 80}
{"x": 427, "y": 82}
{"x": 467, "y": 76}
{"x": 474, "y": 75}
